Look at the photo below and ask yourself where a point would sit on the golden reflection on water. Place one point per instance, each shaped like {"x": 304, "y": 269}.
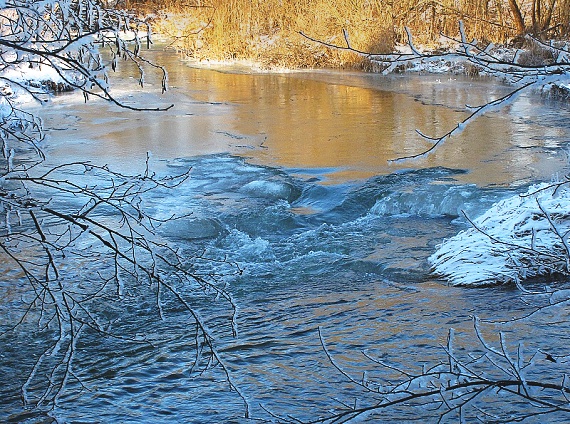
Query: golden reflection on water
{"x": 357, "y": 126}
{"x": 348, "y": 125}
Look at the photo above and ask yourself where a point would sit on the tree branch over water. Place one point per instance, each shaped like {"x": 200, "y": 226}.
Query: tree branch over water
{"x": 496, "y": 382}
{"x": 78, "y": 237}
{"x": 519, "y": 69}
{"x": 523, "y": 237}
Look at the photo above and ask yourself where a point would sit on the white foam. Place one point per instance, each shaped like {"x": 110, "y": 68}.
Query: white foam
{"x": 245, "y": 248}
{"x": 431, "y": 200}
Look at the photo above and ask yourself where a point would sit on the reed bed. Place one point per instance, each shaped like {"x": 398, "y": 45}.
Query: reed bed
{"x": 267, "y": 31}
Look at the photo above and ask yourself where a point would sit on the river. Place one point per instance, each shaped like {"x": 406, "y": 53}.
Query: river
{"x": 292, "y": 180}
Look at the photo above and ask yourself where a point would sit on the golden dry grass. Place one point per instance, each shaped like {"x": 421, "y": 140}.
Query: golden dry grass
{"x": 268, "y": 31}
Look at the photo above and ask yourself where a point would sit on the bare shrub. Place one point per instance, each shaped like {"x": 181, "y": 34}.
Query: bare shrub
{"x": 535, "y": 54}
{"x": 77, "y": 237}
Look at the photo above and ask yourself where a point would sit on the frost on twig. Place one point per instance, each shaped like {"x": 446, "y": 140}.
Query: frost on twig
{"x": 496, "y": 382}
{"x": 90, "y": 242}
{"x": 518, "y": 238}
{"x": 55, "y": 46}
{"x": 77, "y": 238}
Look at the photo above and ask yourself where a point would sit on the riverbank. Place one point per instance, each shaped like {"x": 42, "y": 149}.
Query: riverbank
{"x": 269, "y": 32}
{"x": 552, "y": 79}
{"x": 219, "y": 37}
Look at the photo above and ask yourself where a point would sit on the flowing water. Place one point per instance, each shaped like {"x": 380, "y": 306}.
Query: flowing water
{"x": 292, "y": 180}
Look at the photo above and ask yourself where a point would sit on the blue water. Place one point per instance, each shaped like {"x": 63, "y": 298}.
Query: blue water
{"x": 301, "y": 243}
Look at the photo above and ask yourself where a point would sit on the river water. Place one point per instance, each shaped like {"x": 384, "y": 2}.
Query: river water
{"x": 292, "y": 180}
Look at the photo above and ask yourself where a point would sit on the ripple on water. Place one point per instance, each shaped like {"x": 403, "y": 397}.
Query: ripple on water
{"x": 327, "y": 234}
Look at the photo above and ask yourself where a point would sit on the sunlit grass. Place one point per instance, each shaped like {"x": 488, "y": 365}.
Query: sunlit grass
{"x": 267, "y": 32}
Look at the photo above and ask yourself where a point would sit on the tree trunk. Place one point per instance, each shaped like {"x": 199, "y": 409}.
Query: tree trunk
{"x": 536, "y": 16}
{"x": 519, "y": 21}
{"x": 548, "y": 19}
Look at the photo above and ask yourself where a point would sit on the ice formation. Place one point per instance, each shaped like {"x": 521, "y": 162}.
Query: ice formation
{"x": 518, "y": 238}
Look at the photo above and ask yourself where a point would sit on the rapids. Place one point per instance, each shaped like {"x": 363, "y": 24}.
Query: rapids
{"x": 290, "y": 180}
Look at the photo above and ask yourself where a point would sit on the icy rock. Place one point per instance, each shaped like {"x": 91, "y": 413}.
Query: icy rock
{"x": 273, "y": 190}
{"x": 192, "y": 229}
{"x": 521, "y": 237}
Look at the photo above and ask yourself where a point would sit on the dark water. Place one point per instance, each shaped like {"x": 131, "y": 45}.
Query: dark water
{"x": 290, "y": 180}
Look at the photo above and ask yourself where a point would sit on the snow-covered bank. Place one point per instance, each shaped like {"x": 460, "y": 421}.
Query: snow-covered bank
{"x": 520, "y": 237}
{"x": 545, "y": 63}
{"x": 36, "y": 79}
{"x": 498, "y": 61}
{"x": 558, "y": 89}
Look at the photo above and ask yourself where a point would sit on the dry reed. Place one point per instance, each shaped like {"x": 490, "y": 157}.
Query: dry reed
{"x": 267, "y": 31}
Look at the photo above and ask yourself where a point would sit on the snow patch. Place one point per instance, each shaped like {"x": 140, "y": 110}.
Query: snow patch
{"x": 24, "y": 73}
{"x": 520, "y": 237}
{"x": 18, "y": 82}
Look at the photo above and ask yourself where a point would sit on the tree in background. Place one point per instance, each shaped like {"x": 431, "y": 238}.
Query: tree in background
{"x": 542, "y": 17}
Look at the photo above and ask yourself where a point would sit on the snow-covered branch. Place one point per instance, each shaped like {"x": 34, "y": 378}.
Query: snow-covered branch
{"x": 107, "y": 225}
{"x": 79, "y": 235}
{"x": 65, "y": 38}
{"x": 518, "y": 68}
{"x": 497, "y": 381}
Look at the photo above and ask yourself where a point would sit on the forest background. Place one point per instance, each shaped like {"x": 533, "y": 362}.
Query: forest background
{"x": 268, "y": 31}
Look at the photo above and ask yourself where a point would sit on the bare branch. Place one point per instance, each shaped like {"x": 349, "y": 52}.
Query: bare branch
{"x": 82, "y": 222}
{"x": 522, "y": 76}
